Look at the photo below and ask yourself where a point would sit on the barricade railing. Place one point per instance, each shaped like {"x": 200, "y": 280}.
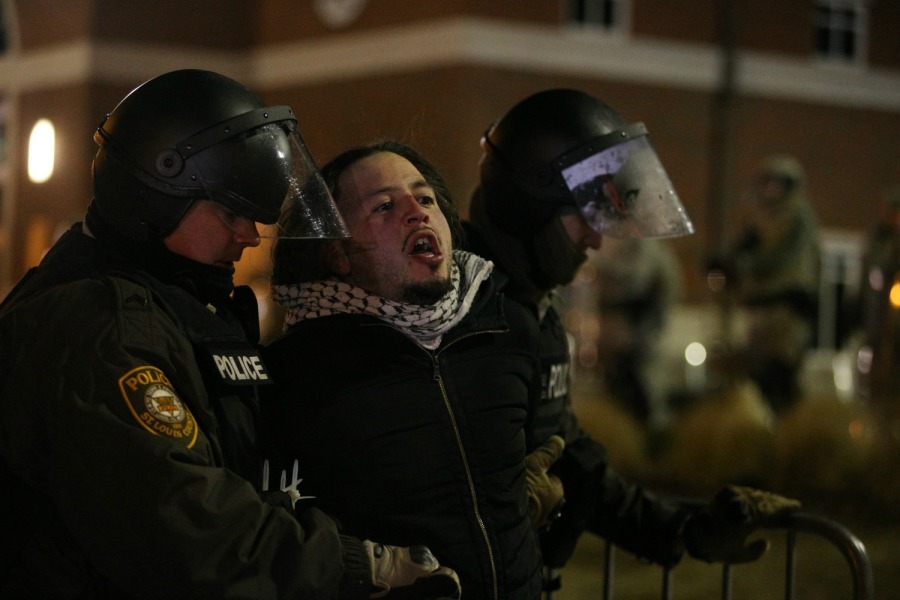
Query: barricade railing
{"x": 793, "y": 525}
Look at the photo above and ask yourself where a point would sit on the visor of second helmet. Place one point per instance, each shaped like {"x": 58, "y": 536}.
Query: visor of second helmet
{"x": 621, "y": 188}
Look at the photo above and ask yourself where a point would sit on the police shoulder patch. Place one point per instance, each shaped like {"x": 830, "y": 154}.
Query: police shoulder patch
{"x": 152, "y": 400}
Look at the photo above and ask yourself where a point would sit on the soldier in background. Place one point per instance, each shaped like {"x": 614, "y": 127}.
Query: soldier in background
{"x": 773, "y": 271}
{"x": 638, "y": 282}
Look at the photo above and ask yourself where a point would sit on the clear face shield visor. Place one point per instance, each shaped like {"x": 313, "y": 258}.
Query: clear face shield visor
{"x": 621, "y": 188}
{"x": 265, "y": 172}
{"x": 313, "y": 212}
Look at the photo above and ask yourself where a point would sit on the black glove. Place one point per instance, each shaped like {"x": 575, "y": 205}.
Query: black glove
{"x": 412, "y": 573}
{"x": 718, "y": 532}
{"x": 545, "y": 491}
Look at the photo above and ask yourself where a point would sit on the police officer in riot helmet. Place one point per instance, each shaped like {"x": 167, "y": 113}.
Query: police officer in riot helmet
{"x": 130, "y": 463}
{"x": 560, "y": 170}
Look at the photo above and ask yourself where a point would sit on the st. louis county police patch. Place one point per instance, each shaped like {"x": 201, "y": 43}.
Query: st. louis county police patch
{"x": 156, "y": 406}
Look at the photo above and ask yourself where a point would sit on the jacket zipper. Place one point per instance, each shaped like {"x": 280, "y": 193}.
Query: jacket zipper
{"x": 459, "y": 443}
{"x": 465, "y": 459}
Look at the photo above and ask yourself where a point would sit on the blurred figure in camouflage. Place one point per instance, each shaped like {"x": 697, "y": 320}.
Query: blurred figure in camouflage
{"x": 638, "y": 282}
{"x": 774, "y": 271}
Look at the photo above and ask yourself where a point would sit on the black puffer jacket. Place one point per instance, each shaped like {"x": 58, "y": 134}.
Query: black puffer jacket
{"x": 409, "y": 446}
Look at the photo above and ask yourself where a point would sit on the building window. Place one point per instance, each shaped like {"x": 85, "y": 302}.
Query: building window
{"x": 4, "y": 28}
{"x": 610, "y": 15}
{"x": 839, "y": 30}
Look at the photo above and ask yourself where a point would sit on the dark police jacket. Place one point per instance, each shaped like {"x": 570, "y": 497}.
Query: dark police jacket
{"x": 409, "y": 446}
{"x": 128, "y": 417}
{"x": 597, "y": 498}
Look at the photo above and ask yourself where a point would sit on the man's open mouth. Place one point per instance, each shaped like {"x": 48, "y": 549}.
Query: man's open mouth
{"x": 424, "y": 244}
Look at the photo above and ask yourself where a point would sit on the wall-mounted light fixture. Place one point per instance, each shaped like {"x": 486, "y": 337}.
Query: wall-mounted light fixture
{"x": 41, "y": 150}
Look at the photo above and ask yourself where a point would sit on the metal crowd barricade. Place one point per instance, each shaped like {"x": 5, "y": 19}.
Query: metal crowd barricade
{"x": 850, "y": 547}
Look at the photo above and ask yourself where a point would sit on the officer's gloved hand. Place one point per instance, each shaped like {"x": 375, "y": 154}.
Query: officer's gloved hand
{"x": 412, "y": 573}
{"x": 718, "y": 532}
{"x": 545, "y": 491}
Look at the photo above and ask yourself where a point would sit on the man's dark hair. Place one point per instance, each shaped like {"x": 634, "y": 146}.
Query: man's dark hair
{"x": 296, "y": 261}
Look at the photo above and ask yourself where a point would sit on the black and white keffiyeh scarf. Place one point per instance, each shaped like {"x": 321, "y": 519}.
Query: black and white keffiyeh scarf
{"x": 426, "y": 324}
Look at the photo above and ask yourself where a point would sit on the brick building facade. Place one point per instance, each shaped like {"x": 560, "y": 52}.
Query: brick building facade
{"x": 718, "y": 86}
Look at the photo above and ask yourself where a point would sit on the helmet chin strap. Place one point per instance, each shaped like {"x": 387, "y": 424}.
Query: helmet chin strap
{"x": 536, "y": 264}
{"x": 555, "y": 256}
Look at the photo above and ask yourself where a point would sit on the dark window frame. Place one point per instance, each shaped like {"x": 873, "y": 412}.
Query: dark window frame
{"x": 606, "y": 15}
{"x": 840, "y": 30}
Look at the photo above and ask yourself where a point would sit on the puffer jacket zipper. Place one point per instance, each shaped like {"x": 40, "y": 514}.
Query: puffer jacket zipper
{"x": 435, "y": 361}
{"x": 470, "y": 482}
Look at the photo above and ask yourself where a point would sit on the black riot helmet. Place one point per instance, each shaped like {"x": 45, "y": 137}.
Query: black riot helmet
{"x": 193, "y": 134}
{"x": 563, "y": 149}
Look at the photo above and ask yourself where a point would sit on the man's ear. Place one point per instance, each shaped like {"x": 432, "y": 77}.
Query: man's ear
{"x": 336, "y": 258}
